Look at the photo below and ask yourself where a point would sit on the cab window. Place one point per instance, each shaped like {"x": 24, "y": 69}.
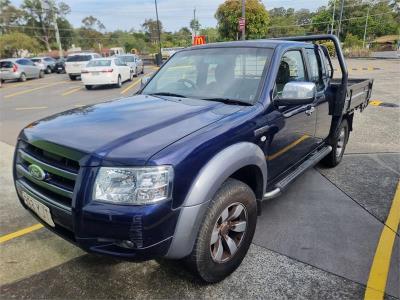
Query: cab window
{"x": 291, "y": 68}
{"x": 315, "y": 63}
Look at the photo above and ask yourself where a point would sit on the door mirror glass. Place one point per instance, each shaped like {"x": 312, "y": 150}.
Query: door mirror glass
{"x": 297, "y": 93}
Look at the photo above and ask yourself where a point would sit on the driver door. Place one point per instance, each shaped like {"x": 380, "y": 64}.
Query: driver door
{"x": 296, "y": 137}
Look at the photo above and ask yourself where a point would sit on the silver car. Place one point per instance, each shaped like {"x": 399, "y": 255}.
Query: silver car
{"x": 46, "y": 63}
{"x": 134, "y": 62}
{"x": 20, "y": 69}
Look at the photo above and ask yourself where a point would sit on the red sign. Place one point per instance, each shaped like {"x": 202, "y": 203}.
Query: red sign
{"x": 242, "y": 24}
{"x": 199, "y": 40}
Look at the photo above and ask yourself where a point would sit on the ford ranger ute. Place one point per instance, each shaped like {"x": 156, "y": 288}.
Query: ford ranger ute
{"x": 179, "y": 170}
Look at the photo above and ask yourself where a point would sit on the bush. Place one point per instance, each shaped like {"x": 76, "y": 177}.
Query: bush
{"x": 12, "y": 44}
{"x": 331, "y": 48}
{"x": 352, "y": 41}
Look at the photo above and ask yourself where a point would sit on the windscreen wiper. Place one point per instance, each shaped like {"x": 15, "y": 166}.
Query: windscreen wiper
{"x": 167, "y": 94}
{"x": 228, "y": 101}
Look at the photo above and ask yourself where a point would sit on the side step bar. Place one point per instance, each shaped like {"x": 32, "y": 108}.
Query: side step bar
{"x": 309, "y": 163}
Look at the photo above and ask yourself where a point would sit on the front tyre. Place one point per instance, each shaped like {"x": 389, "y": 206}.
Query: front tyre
{"x": 338, "y": 146}
{"x": 88, "y": 86}
{"x": 226, "y": 232}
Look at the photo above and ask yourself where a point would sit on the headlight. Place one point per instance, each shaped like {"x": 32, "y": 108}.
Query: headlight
{"x": 133, "y": 186}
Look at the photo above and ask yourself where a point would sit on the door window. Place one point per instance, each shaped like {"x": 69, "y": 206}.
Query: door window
{"x": 291, "y": 68}
{"x": 315, "y": 68}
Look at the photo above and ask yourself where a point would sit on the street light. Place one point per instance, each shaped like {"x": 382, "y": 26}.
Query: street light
{"x": 159, "y": 60}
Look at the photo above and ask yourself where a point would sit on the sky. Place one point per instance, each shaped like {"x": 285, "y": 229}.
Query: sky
{"x": 174, "y": 14}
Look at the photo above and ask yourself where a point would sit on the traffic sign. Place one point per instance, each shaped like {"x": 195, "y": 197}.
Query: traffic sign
{"x": 242, "y": 23}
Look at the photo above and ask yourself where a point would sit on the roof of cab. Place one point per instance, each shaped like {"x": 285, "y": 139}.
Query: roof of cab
{"x": 251, "y": 43}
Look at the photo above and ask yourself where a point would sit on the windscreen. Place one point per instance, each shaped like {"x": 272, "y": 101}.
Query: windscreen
{"x": 75, "y": 58}
{"x": 215, "y": 74}
{"x": 128, "y": 58}
{"x": 99, "y": 63}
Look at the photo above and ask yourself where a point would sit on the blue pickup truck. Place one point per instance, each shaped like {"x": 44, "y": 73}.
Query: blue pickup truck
{"x": 179, "y": 170}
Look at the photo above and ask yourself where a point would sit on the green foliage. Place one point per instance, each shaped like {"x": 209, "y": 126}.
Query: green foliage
{"x": 230, "y": 11}
{"x": 288, "y": 22}
{"x": 12, "y": 43}
{"x": 352, "y": 41}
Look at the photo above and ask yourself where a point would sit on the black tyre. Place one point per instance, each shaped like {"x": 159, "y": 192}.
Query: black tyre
{"x": 72, "y": 77}
{"x": 136, "y": 72}
{"x": 22, "y": 77}
{"x": 143, "y": 70}
{"x": 226, "y": 232}
{"x": 48, "y": 70}
{"x": 41, "y": 74}
{"x": 88, "y": 87}
{"x": 338, "y": 146}
{"x": 119, "y": 82}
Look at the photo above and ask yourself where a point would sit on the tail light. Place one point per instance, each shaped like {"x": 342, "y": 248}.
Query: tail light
{"x": 15, "y": 68}
{"x": 107, "y": 71}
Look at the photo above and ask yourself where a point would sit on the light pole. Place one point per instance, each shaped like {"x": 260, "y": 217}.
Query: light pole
{"x": 244, "y": 18}
{"x": 340, "y": 19}
{"x": 333, "y": 16}
{"x": 365, "y": 27}
{"x": 159, "y": 61}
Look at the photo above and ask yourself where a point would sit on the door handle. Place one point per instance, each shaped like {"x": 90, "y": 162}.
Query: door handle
{"x": 310, "y": 110}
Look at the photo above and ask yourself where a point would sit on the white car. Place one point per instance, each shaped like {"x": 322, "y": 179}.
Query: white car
{"x": 75, "y": 62}
{"x": 104, "y": 71}
{"x": 134, "y": 62}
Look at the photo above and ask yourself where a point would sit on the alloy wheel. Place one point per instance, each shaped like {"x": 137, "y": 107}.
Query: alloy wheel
{"x": 228, "y": 232}
{"x": 341, "y": 143}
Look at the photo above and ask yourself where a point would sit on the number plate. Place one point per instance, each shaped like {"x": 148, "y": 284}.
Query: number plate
{"x": 40, "y": 209}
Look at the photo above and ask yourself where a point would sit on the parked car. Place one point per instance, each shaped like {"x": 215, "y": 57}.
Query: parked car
{"x": 19, "y": 69}
{"x": 46, "y": 63}
{"x": 60, "y": 66}
{"x": 75, "y": 62}
{"x": 179, "y": 171}
{"x": 134, "y": 62}
{"x": 105, "y": 71}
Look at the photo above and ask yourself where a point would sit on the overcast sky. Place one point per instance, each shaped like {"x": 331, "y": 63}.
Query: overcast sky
{"x": 174, "y": 14}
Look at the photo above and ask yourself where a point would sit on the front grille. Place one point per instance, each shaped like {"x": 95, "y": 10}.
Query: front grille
{"x": 61, "y": 172}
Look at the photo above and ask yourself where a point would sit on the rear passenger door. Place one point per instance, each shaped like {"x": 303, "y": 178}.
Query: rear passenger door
{"x": 318, "y": 74}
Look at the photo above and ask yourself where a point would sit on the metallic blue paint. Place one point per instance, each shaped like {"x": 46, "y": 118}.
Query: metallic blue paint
{"x": 146, "y": 130}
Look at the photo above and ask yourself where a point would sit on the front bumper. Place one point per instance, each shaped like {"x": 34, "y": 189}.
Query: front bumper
{"x": 129, "y": 232}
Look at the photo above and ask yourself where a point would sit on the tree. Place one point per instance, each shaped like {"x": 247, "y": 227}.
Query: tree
{"x": 230, "y": 11}
{"x": 39, "y": 16}
{"x": 211, "y": 34}
{"x": 92, "y": 23}
{"x": 12, "y": 43}
{"x": 195, "y": 25}
{"x": 288, "y": 22}
{"x": 151, "y": 29}
{"x": 10, "y": 16}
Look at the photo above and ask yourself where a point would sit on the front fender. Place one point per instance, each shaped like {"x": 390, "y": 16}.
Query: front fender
{"x": 204, "y": 187}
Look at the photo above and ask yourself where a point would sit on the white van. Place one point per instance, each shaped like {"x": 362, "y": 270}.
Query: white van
{"x": 77, "y": 61}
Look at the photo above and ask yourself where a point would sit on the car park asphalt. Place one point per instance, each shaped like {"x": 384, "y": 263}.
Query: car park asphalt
{"x": 305, "y": 246}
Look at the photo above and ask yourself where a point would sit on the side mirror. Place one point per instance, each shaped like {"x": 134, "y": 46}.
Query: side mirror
{"x": 144, "y": 80}
{"x": 297, "y": 93}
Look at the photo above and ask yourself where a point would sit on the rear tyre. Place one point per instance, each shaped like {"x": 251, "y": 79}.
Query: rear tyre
{"x": 72, "y": 77}
{"x": 48, "y": 70}
{"x": 226, "y": 232}
{"x": 338, "y": 146}
{"x": 119, "y": 82}
{"x": 41, "y": 74}
{"x": 22, "y": 78}
{"x": 88, "y": 87}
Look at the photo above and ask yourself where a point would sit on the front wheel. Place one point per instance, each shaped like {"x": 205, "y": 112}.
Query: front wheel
{"x": 72, "y": 77}
{"x": 88, "y": 86}
{"x": 48, "y": 70}
{"x": 226, "y": 233}
{"x": 338, "y": 145}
